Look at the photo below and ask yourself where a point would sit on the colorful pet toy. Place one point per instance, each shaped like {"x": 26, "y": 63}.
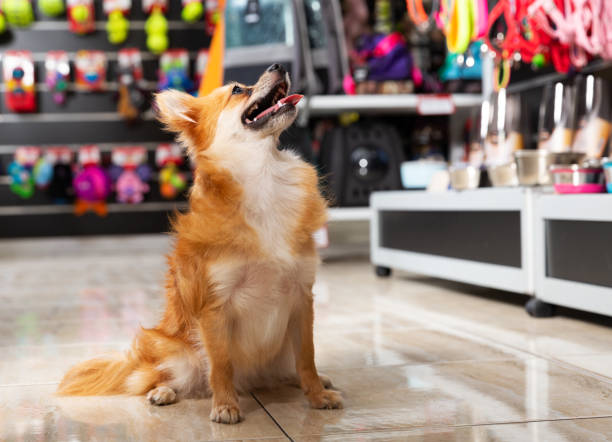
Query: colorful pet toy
{"x": 171, "y": 181}
{"x": 91, "y": 185}
{"x": 130, "y": 173}
{"x": 57, "y": 75}
{"x": 118, "y": 25}
{"x": 192, "y": 10}
{"x": 156, "y": 25}
{"x": 174, "y": 71}
{"x": 18, "y": 69}
{"x": 21, "y": 171}
{"x": 18, "y": 12}
{"x": 51, "y": 8}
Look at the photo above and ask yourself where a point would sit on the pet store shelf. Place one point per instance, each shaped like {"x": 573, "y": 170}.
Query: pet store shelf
{"x": 349, "y": 214}
{"x": 112, "y": 208}
{"x": 573, "y": 238}
{"x": 419, "y": 103}
{"x": 456, "y": 236}
{"x": 69, "y": 117}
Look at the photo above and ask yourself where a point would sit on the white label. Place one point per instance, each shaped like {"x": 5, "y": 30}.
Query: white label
{"x": 435, "y": 105}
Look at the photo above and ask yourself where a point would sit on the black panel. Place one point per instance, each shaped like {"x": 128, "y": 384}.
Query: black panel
{"x": 492, "y": 237}
{"x": 579, "y": 251}
{"x": 44, "y": 40}
{"x": 67, "y": 224}
{"x": 85, "y": 132}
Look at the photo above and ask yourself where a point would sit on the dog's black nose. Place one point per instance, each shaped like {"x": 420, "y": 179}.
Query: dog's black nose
{"x": 276, "y": 67}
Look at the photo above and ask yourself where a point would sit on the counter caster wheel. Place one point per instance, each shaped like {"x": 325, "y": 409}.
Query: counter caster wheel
{"x": 383, "y": 271}
{"x": 540, "y": 309}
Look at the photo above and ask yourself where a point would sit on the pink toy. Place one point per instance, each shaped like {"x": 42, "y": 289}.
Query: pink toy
{"x": 130, "y": 188}
{"x": 131, "y": 172}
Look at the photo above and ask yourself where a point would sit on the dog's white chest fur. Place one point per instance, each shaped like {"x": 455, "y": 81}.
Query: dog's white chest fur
{"x": 260, "y": 296}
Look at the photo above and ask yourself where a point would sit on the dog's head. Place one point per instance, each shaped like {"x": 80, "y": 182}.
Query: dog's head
{"x": 232, "y": 113}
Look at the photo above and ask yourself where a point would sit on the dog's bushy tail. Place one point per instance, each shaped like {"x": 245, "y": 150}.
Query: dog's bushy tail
{"x": 100, "y": 376}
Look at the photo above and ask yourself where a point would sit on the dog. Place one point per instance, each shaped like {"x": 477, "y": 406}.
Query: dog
{"x": 239, "y": 302}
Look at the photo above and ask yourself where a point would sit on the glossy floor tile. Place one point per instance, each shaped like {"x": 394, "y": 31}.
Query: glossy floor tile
{"x": 592, "y": 430}
{"x": 443, "y": 394}
{"x": 416, "y": 359}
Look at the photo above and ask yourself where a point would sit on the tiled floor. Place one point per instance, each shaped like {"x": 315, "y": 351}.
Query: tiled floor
{"x": 417, "y": 359}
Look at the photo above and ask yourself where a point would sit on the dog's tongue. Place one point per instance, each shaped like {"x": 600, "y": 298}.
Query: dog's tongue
{"x": 291, "y": 99}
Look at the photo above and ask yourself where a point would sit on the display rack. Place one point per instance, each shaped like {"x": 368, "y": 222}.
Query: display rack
{"x": 400, "y": 103}
{"x": 573, "y": 253}
{"x": 481, "y": 237}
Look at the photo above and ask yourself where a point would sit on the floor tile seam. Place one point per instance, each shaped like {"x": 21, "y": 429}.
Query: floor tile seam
{"x": 278, "y": 425}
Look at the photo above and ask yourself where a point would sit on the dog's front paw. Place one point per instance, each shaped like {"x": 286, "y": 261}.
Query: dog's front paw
{"x": 326, "y": 399}
{"x": 225, "y": 414}
{"x": 161, "y": 395}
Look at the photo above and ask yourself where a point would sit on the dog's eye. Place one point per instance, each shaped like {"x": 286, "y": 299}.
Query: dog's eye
{"x": 237, "y": 90}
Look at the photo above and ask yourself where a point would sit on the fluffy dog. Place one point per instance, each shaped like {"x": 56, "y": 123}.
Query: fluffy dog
{"x": 239, "y": 311}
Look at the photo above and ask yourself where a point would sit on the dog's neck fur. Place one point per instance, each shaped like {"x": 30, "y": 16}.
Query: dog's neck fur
{"x": 270, "y": 194}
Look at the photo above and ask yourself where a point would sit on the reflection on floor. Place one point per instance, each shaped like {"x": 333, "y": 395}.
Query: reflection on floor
{"x": 416, "y": 359}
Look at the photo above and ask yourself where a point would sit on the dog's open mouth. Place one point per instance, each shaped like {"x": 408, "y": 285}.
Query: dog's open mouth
{"x": 275, "y": 102}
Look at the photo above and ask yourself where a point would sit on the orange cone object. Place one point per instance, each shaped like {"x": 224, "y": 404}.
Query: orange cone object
{"x": 213, "y": 76}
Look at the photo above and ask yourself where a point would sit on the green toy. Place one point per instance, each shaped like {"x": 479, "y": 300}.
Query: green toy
{"x": 18, "y": 12}
{"x": 538, "y": 61}
{"x": 117, "y": 27}
{"x": 80, "y": 13}
{"x": 156, "y": 28}
{"x": 51, "y": 8}
{"x": 192, "y": 11}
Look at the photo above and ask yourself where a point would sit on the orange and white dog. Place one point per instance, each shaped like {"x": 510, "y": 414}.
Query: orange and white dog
{"x": 239, "y": 311}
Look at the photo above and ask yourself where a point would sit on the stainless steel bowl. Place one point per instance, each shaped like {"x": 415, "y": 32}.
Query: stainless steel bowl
{"x": 532, "y": 167}
{"x": 503, "y": 175}
{"x": 575, "y": 178}
{"x": 464, "y": 177}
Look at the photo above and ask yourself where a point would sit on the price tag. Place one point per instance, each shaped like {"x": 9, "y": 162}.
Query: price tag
{"x": 435, "y": 105}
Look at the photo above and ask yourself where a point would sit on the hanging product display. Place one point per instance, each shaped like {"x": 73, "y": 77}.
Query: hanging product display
{"x": 132, "y": 95}
{"x": 212, "y": 15}
{"x": 92, "y": 185}
{"x": 118, "y": 25}
{"x": 18, "y": 12}
{"x": 20, "y": 171}
{"x": 592, "y": 114}
{"x": 51, "y": 8}
{"x": 172, "y": 182}
{"x": 174, "y": 71}
{"x": 556, "y": 122}
{"x": 131, "y": 181}
{"x": 384, "y": 63}
{"x": 192, "y": 10}
{"x": 43, "y": 173}
{"x": 60, "y": 187}
{"x": 57, "y": 75}
{"x": 156, "y": 25}
{"x": 81, "y": 16}
{"x": 90, "y": 70}
{"x": 504, "y": 134}
{"x": 18, "y": 73}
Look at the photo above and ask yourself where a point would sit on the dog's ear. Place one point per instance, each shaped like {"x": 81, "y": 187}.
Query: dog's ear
{"x": 177, "y": 110}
